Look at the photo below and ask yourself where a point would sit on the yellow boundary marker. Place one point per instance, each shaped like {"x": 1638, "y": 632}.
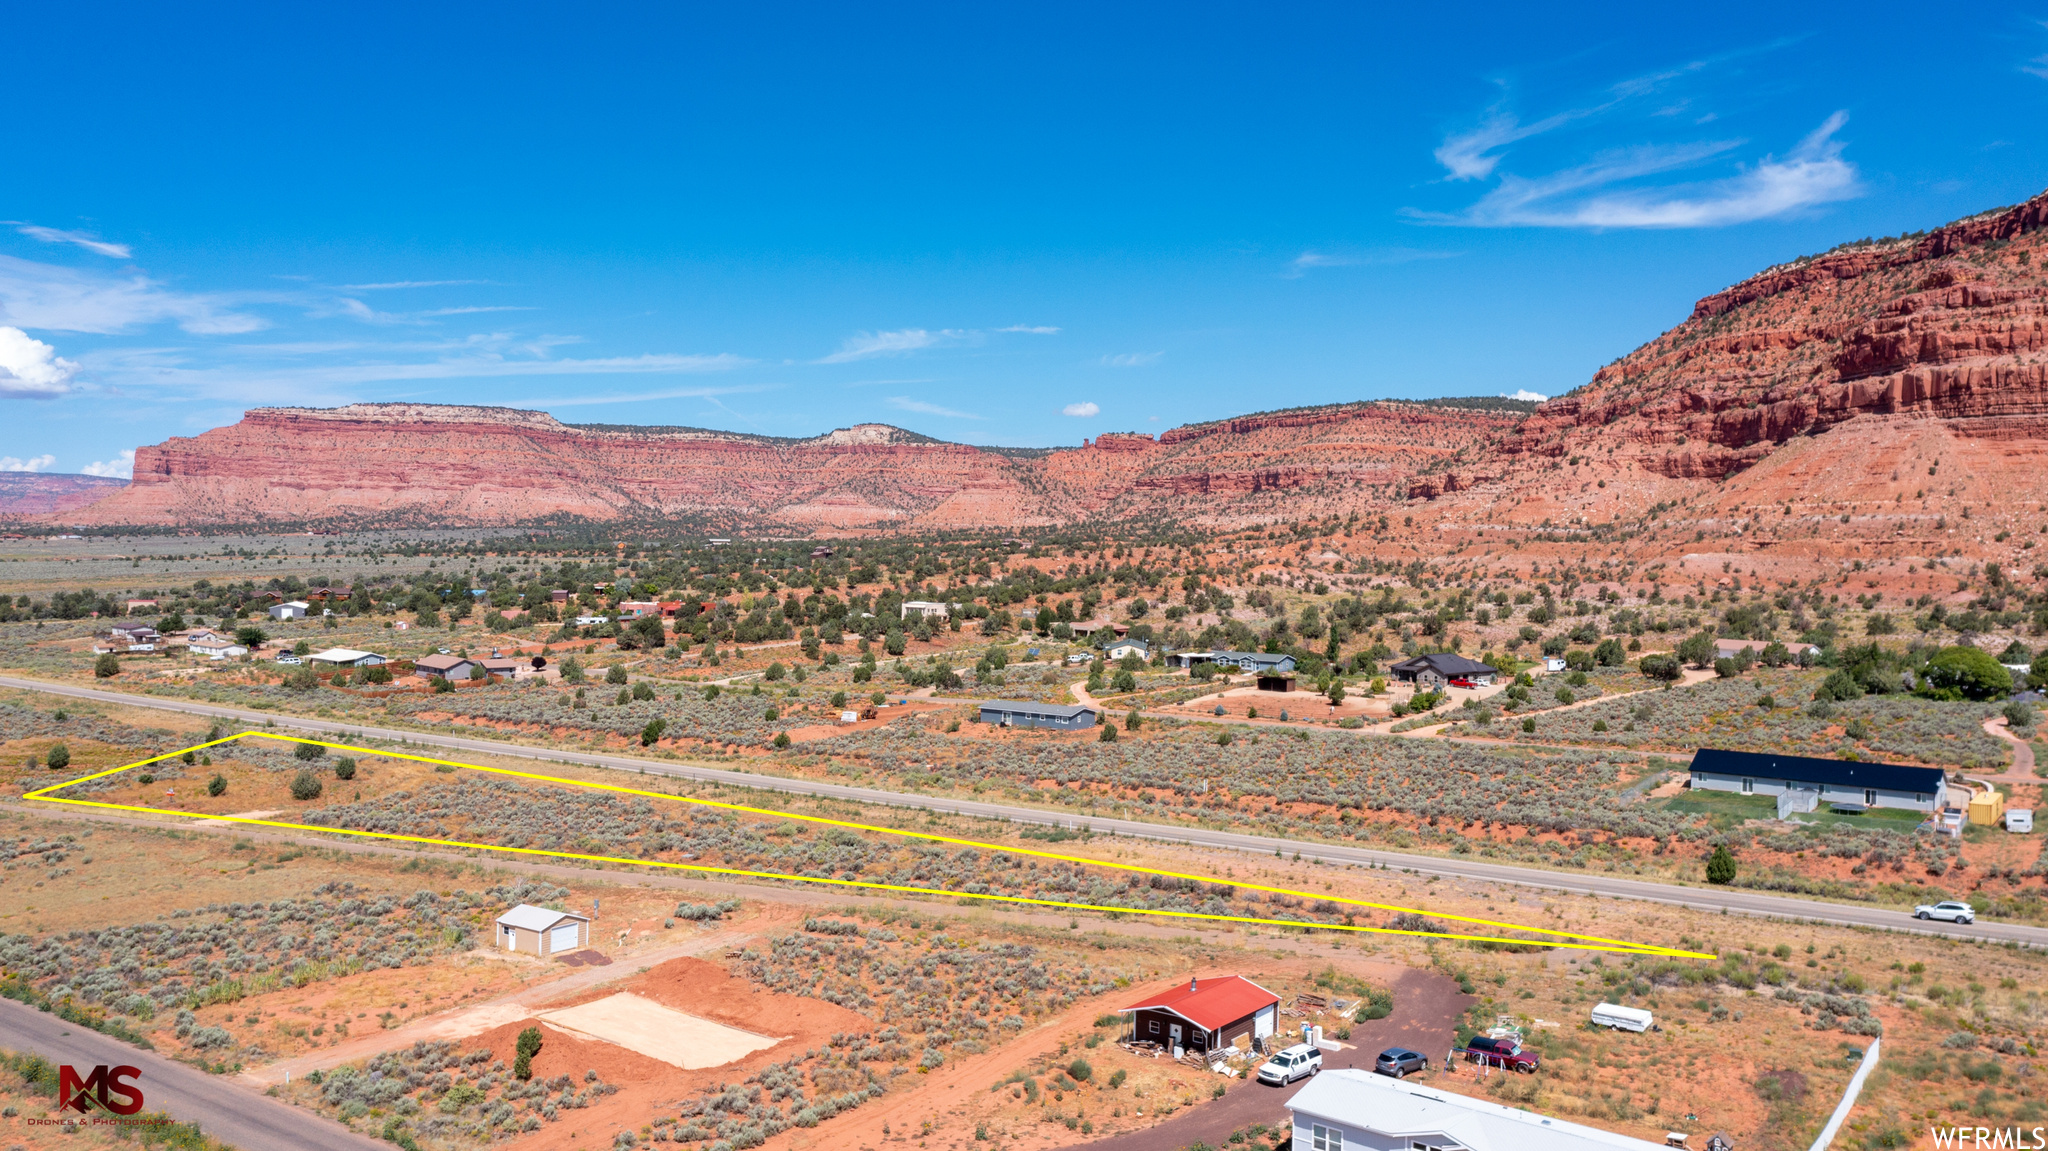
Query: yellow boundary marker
{"x": 1564, "y": 938}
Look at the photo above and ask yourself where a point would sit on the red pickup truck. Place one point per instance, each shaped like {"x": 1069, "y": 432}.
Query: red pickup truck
{"x": 1506, "y": 1053}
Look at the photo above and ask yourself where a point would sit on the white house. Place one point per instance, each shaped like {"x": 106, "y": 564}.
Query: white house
{"x": 1347, "y": 1108}
{"x": 592, "y": 620}
{"x": 1124, "y": 647}
{"x": 924, "y": 608}
{"x": 291, "y": 609}
{"x": 543, "y": 932}
{"x": 215, "y": 646}
{"x": 345, "y": 657}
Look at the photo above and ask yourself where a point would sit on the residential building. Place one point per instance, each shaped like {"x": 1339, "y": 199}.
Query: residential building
{"x": 558, "y": 596}
{"x": 507, "y": 667}
{"x": 1835, "y": 781}
{"x": 340, "y": 657}
{"x": 1251, "y": 662}
{"x": 448, "y": 667}
{"x": 542, "y": 931}
{"x": 291, "y": 609}
{"x": 1729, "y": 648}
{"x": 1206, "y": 1014}
{"x": 635, "y": 608}
{"x": 1027, "y": 713}
{"x": 124, "y": 638}
{"x": 925, "y": 608}
{"x": 1438, "y": 669}
{"x": 1354, "y": 1109}
{"x": 592, "y": 620}
{"x": 1124, "y": 647}
{"x": 821, "y": 553}
{"x": 216, "y": 647}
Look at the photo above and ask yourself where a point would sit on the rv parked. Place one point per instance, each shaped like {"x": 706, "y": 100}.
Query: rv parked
{"x": 1622, "y": 1018}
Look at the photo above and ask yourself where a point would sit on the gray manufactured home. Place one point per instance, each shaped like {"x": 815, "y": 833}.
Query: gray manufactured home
{"x": 1025, "y": 713}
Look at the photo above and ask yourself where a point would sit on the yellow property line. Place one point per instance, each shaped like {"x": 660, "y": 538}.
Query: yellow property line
{"x": 1564, "y": 938}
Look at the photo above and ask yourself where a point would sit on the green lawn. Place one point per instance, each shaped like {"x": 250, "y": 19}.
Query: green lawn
{"x": 1726, "y": 808}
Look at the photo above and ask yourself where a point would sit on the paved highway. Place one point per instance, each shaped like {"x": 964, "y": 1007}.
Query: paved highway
{"x": 231, "y": 1113}
{"x": 1714, "y": 899}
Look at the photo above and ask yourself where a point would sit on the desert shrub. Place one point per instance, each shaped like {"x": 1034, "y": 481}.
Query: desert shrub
{"x": 306, "y": 786}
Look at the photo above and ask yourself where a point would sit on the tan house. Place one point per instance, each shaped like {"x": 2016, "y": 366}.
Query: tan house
{"x": 447, "y": 667}
{"x": 540, "y": 931}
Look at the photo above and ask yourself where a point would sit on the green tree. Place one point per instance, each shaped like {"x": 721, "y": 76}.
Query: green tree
{"x": 1661, "y": 667}
{"x": 1721, "y": 865}
{"x": 344, "y": 768}
{"x": 781, "y": 740}
{"x": 1133, "y": 721}
{"x": 526, "y": 1047}
{"x": 306, "y": 786}
{"x": 1609, "y": 653}
{"x": 775, "y": 671}
{"x": 1336, "y": 692}
{"x": 2037, "y": 672}
{"x": 250, "y": 636}
{"x": 218, "y": 785}
{"x": 1965, "y": 673}
{"x": 1108, "y": 733}
{"x": 59, "y": 757}
{"x": 308, "y": 751}
{"x": 107, "y": 666}
{"x": 652, "y": 732}
{"x": 572, "y": 670}
{"x": 893, "y": 643}
{"x": 1697, "y": 650}
{"x": 616, "y": 674}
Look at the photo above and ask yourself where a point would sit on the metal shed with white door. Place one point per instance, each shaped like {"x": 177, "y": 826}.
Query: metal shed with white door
{"x": 542, "y": 931}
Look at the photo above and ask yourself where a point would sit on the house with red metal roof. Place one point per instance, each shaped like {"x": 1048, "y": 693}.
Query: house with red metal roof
{"x": 1205, "y": 1016}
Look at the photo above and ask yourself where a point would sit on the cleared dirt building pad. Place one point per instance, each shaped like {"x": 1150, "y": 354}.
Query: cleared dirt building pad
{"x": 646, "y": 1027}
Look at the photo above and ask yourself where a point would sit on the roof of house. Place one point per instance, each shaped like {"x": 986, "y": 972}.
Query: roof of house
{"x": 536, "y": 918}
{"x": 1140, "y": 644}
{"x": 1358, "y": 1098}
{"x": 505, "y": 664}
{"x": 441, "y": 662}
{"x": 1793, "y": 646}
{"x": 1032, "y": 707}
{"x": 1446, "y": 663}
{"x": 1809, "y": 769}
{"x": 340, "y": 655}
{"x": 1211, "y": 1004}
{"x": 1264, "y": 657}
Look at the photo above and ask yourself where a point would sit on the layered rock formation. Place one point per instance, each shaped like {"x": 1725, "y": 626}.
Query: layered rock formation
{"x": 420, "y": 464}
{"x": 46, "y": 493}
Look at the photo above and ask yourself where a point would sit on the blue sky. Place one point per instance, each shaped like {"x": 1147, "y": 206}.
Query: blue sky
{"x": 1015, "y": 225}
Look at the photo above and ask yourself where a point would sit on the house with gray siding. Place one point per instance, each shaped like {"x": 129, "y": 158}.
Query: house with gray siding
{"x": 1841, "y": 781}
{"x": 1026, "y": 713}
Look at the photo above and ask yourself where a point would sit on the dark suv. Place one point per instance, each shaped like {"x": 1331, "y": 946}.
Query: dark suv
{"x": 1399, "y": 1061}
{"x": 1501, "y": 1053}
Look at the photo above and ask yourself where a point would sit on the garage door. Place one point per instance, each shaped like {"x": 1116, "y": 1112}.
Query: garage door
{"x": 562, "y": 938}
{"x": 1262, "y": 1023}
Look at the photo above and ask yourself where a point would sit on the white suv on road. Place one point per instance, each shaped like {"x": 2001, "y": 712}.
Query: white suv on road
{"x": 1952, "y": 910}
{"x": 1297, "y": 1062}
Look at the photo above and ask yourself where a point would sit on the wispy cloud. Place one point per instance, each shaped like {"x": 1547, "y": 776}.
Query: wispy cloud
{"x": 641, "y": 397}
{"x": 1814, "y": 172}
{"x": 1040, "y": 330}
{"x": 1308, "y": 261}
{"x": 397, "y": 284}
{"x": 122, "y": 466}
{"x": 471, "y": 311}
{"x": 906, "y": 404}
{"x": 33, "y": 464}
{"x": 31, "y": 369}
{"x": 1638, "y": 186}
{"x": 59, "y": 236}
{"x": 2038, "y": 66}
{"x": 52, "y": 298}
{"x": 867, "y": 345}
{"x": 1087, "y": 409}
{"x": 1133, "y": 360}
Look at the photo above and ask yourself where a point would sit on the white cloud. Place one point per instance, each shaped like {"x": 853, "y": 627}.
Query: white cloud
{"x": 31, "y": 369}
{"x": 865, "y": 345}
{"x": 122, "y": 466}
{"x": 1083, "y": 410}
{"x": 1524, "y": 394}
{"x": 1301, "y": 265}
{"x": 1470, "y": 155}
{"x": 394, "y": 284}
{"x": 1133, "y": 360}
{"x": 474, "y": 310}
{"x": 33, "y": 464}
{"x": 906, "y": 404}
{"x": 58, "y": 299}
{"x": 60, "y": 236}
{"x": 1041, "y": 330}
{"x": 639, "y": 397}
{"x": 1814, "y": 172}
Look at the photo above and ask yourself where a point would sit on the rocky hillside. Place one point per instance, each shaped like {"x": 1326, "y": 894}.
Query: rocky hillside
{"x": 431, "y": 464}
{"x": 46, "y": 493}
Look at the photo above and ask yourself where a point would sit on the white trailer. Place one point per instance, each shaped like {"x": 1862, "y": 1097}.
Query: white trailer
{"x": 1622, "y": 1018}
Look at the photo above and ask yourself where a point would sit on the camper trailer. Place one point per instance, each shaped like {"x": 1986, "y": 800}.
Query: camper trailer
{"x": 1622, "y": 1018}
